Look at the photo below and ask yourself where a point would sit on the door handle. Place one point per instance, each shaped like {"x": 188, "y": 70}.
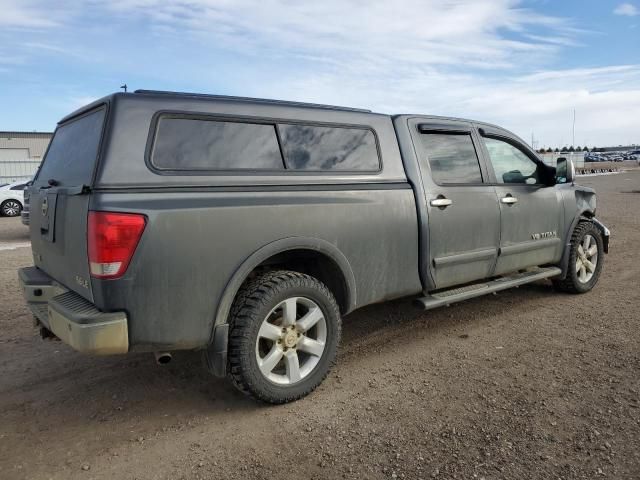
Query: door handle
{"x": 509, "y": 200}
{"x": 441, "y": 202}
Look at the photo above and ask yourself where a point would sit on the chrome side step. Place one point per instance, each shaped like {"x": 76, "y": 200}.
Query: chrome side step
{"x": 447, "y": 297}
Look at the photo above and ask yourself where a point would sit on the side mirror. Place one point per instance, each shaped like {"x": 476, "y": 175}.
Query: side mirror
{"x": 565, "y": 171}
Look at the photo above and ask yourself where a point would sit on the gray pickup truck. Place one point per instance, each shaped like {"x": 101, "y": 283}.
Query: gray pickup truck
{"x": 245, "y": 228}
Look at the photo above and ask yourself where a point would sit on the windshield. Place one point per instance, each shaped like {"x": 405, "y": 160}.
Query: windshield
{"x": 73, "y": 151}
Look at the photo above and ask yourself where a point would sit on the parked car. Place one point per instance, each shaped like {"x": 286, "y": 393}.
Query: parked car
{"x": 12, "y": 199}
{"x": 247, "y": 228}
{"x": 593, "y": 158}
{"x": 629, "y": 156}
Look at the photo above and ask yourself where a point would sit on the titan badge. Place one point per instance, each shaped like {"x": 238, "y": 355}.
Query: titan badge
{"x": 538, "y": 236}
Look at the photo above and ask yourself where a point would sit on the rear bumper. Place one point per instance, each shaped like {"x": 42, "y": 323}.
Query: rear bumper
{"x": 71, "y": 318}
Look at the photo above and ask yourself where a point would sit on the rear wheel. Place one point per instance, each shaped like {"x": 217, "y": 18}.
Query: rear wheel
{"x": 284, "y": 333}
{"x": 585, "y": 260}
{"x": 11, "y": 208}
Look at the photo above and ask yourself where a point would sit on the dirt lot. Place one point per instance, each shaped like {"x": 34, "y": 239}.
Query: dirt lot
{"x": 526, "y": 384}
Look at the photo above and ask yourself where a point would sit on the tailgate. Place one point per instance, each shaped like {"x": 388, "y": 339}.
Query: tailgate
{"x": 59, "y": 201}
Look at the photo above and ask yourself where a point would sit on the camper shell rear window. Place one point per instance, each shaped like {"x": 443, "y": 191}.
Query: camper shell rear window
{"x": 73, "y": 151}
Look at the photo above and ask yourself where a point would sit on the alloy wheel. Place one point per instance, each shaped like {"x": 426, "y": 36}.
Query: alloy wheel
{"x": 586, "y": 258}
{"x": 291, "y": 341}
{"x": 11, "y": 208}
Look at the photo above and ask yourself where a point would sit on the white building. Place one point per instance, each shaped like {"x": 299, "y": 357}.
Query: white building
{"x": 21, "y": 154}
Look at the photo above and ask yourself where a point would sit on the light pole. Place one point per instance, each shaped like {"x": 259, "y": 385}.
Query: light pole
{"x": 573, "y": 140}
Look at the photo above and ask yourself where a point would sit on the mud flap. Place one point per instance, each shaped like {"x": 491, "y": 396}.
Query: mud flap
{"x": 215, "y": 355}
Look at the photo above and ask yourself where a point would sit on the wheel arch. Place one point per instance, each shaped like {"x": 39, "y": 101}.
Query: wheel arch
{"x": 283, "y": 253}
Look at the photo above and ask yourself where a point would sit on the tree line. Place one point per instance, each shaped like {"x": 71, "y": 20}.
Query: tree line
{"x": 569, "y": 149}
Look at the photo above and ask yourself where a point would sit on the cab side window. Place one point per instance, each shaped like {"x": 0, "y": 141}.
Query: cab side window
{"x": 510, "y": 164}
{"x": 452, "y": 158}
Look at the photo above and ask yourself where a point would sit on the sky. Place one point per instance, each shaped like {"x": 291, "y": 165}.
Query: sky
{"x": 524, "y": 65}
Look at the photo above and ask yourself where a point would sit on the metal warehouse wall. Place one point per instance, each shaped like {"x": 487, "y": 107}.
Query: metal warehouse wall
{"x": 35, "y": 142}
{"x": 21, "y": 153}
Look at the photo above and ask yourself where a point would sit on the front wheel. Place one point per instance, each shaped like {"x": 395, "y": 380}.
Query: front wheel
{"x": 284, "y": 333}
{"x": 586, "y": 257}
{"x": 11, "y": 208}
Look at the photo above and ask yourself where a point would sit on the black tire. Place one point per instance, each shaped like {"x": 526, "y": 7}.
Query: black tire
{"x": 17, "y": 208}
{"x": 252, "y": 305}
{"x": 571, "y": 283}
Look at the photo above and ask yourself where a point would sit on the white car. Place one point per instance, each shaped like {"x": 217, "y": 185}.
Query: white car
{"x": 12, "y": 199}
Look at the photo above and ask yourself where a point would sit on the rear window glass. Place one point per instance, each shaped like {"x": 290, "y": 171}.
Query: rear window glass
{"x": 452, "y": 158}
{"x": 196, "y": 144}
{"x": 307, "y": 147}
{"x": 73, "y": 151}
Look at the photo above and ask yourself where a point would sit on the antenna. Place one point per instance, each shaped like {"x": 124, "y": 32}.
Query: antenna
{"x": 124, "y": 87}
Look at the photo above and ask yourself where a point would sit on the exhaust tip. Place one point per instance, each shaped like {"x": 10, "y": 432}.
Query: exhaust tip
{"x": 162, "y": 358}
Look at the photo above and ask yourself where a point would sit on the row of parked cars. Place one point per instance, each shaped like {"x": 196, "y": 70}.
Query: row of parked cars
{"x": 611, "y": 156}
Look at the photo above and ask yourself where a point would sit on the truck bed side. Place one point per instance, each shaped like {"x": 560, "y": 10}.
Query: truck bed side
{"x": 201, "y": 229}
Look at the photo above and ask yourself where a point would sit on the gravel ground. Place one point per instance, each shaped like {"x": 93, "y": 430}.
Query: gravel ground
{"x": 525, "y": 384}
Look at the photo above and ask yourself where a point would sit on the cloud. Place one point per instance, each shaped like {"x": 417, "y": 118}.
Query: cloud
{"x": 626, "y": 9}
{"x": 483, "y": 59}
{"x": 26, "y": 14}
{"x": 606, "y": 100}
{"x": 347, "y": 34}
{"x": 482, "y": 34}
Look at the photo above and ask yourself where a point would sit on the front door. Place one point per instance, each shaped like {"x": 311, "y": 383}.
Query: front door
{"x": 531, "y": 214}
{"x": 463, "y": 215}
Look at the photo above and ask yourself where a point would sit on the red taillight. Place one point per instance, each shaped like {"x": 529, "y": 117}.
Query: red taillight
{"x": 112, "y": 239}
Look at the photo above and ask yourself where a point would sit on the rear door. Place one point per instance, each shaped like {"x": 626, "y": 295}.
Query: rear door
{"x": 463, "y": 216}
{"x": 531, "y": 213}
{"x": 59, "y": 201}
